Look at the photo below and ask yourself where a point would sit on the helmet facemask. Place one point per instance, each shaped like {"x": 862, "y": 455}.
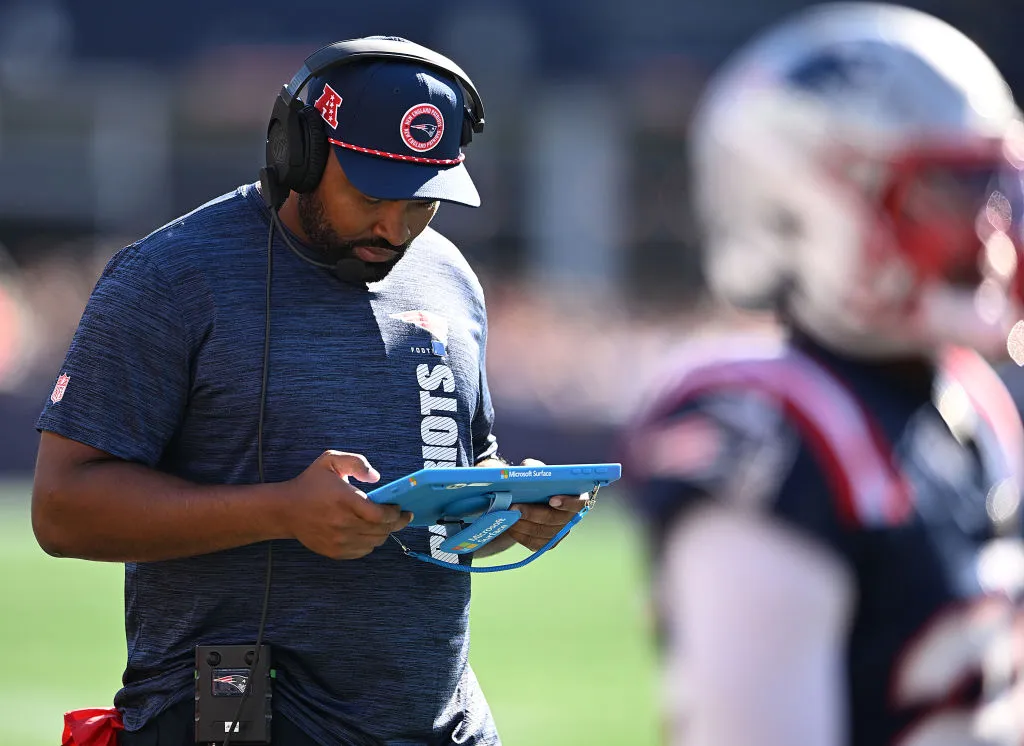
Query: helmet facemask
{"x": 938, "y": 259}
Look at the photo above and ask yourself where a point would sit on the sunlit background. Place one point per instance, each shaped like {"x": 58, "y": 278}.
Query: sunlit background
{"x": 118, "y": 115}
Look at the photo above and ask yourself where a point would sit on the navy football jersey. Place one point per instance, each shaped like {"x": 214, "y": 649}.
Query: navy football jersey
{"x": 914, "y": 485}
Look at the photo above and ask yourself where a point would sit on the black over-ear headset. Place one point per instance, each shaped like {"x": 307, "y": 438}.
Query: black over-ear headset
{"x": 297, "y": 152}
{"x": 297, "y": 146}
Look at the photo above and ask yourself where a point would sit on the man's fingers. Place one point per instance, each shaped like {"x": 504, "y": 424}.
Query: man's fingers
{"x": 551, "y": 516}
{"x": 523, "y": 531}
{"x": 351, "y": 465}
{"x": 375, "y": 513}
{"x": 370, "y": 519}
{"x": 540, "y": 514}
{"x": 541, "y": 526}
{"x": 367, "y": 529}
{"x": 356, "y": 465}
{"x": 532, "y": 535}
{"x": 569, "y": 503}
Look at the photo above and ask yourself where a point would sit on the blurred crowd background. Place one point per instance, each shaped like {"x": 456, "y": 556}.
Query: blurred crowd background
{"x": 116, "y": 116}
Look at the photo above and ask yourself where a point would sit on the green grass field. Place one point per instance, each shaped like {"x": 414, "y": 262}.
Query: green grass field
{"x": 561, "y": 647}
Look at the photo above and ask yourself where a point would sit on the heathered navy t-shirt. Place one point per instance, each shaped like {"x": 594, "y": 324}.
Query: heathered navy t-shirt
{"x": 165, "y": 370}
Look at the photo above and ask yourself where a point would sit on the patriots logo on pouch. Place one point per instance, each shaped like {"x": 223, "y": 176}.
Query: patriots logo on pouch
{"x": 422, "y": 127}
{"x": 328, "y": 104}
{"x": 231, "y": 681}
{"x": 60, "y": 388}
{"x": 431, "y": 322}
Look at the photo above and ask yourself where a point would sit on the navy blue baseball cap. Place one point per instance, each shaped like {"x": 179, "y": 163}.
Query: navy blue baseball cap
{"x": 396, "y": 129}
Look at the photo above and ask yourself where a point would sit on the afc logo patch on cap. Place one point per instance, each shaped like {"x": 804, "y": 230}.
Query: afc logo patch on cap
{"x": 328, "y": 104}
{"x": 422, "y": 127}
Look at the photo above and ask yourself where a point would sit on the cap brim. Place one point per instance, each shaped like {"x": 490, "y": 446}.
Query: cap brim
{"x": 383, "y": 178}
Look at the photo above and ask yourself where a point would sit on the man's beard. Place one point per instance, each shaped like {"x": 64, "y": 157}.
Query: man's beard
{"x": 339, "y": 252}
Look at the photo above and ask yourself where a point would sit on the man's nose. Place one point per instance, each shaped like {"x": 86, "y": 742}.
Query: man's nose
{"x": 392, "y": 223}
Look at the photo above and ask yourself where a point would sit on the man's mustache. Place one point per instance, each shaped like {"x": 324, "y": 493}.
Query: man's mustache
{"x": 376, "y": 243}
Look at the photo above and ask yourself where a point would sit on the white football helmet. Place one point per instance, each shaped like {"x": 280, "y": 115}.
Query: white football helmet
{"x": 858, "y": 166}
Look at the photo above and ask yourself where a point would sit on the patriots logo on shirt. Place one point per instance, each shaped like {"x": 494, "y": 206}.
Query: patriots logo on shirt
{"x": 431, "y": 322}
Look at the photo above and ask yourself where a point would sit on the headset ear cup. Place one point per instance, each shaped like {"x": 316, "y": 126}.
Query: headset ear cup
{"x": 317, "y": 149}
{"x": 272, "y": 176}
{"x": 277, "y": 147}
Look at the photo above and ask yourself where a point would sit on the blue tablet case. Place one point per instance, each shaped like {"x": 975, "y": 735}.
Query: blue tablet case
{"x": 482, "y": 496}
{"x": 462, "y": 494}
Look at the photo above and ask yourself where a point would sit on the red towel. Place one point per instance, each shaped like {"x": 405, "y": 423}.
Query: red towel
{"x": 96, "y": 726}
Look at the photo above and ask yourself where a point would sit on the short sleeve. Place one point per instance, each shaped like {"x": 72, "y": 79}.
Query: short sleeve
{"x": 125, "y": 380}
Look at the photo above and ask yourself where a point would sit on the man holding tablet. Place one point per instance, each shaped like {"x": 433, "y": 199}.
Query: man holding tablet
{"x": 236, "y": 372}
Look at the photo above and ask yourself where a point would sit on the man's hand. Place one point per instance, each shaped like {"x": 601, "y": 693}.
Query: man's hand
{"x": 333, "y": 518}
{"x": 539, "y": 523}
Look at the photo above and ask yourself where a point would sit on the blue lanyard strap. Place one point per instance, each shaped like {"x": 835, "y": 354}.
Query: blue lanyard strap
{"x": 512, "y": 565}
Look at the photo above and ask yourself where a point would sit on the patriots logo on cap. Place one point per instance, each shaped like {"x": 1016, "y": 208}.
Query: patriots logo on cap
{"x": 431, "y": 322}
{"x": 328, "y": 104}
{"x": 422, "y": 127}
{"x": 428, "y": 129}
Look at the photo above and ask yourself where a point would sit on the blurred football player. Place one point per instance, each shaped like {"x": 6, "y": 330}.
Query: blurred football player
{"x": 834, "y": 518}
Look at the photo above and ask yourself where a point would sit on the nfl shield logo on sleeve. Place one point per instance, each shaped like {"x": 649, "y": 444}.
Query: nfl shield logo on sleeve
{"x": 60, "y": 388}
